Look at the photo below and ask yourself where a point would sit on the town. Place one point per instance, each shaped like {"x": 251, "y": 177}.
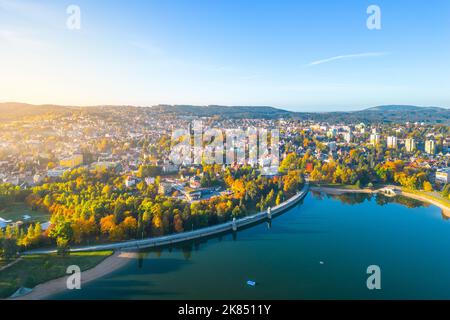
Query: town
{"x": 107, "y": 174}
{"x": 36, "y": 151}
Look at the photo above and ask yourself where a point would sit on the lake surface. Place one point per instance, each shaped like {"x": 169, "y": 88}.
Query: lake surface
{"x": 319, "y": 249}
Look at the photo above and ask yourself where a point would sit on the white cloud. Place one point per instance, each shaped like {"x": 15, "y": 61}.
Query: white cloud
{"x": 348, "y": 57}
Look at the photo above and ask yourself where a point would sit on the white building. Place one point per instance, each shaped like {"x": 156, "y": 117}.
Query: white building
{"x": 443, "y": 175}
{"x": 392, "y": 142}
{"x": 430, "y": 147}
{"x": 348, "y": 136}
{"x": 410, "y": 145}
{"x": 374, "y": 139}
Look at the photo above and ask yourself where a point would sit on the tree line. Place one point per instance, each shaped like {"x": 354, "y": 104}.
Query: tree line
{"x": 93, "y": 207}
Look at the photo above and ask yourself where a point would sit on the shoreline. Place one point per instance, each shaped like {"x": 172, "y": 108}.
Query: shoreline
{"x": 112, "y": 263}
{"x": 171, "y": 239}
{"x": 444, "y": 208}
{"x": 339, "y": 191}
{"x": 120, "y": 258}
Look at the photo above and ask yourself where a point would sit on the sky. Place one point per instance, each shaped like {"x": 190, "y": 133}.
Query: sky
{"x": 300, "y": 55}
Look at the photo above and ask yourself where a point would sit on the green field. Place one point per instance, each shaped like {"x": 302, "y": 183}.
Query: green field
{"x": 36, "y": 269}
{"x": 16, "y": 211}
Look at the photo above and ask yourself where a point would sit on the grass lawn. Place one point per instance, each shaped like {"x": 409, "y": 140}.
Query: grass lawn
{"x": 36, "y": 269}
{"x": 16, "y": 211}
{"x": 4, "y": 262}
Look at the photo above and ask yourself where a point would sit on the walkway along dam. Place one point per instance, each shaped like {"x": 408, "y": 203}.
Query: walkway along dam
{"x": 190, "y": 235}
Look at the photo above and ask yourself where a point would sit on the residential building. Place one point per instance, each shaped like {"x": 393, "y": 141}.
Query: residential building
{"x": 443, "y": 175}
{"x": 374, "y": 139}
{"x": 410, "y": 145}
{"x": 430, "y": 147}
{"x": 348, "y": 136}
{"x": 392, "y": 142}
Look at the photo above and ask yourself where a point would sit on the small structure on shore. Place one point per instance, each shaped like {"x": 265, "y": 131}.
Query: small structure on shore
{"x": 389, "y": 192}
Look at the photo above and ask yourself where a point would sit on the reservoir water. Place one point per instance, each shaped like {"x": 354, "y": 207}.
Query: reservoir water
{"x": 320, "y": 249}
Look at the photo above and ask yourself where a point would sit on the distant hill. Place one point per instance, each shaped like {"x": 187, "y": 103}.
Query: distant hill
{"x": 230, "y": 112}
{"x": 401, "y": 108}
{"x": 379, "y": 114}
{"x": 16, "y": 111}
{"x": 387, "y": 114}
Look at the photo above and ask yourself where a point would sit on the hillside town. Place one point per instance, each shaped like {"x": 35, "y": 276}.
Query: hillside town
{"x": 108, "y": 175}
{"x": 38, "y": 150}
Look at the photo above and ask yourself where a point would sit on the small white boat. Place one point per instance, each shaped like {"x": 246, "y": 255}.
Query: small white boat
{"x": 251, "y": 283}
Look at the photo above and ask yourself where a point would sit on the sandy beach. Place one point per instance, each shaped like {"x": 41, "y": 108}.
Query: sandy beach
{"x": 110, "y": 264}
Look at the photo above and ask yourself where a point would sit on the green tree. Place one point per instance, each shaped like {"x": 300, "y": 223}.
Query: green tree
{"x": 62, "y": 246}
{"x": 9, "y": 248}
{"x": 446, "y": 191}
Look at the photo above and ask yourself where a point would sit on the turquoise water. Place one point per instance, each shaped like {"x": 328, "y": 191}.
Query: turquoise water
{"x": 319, "y": 249}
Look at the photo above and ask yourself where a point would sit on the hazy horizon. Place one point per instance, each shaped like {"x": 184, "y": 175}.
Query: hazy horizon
{"x": 237, "y": 105}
